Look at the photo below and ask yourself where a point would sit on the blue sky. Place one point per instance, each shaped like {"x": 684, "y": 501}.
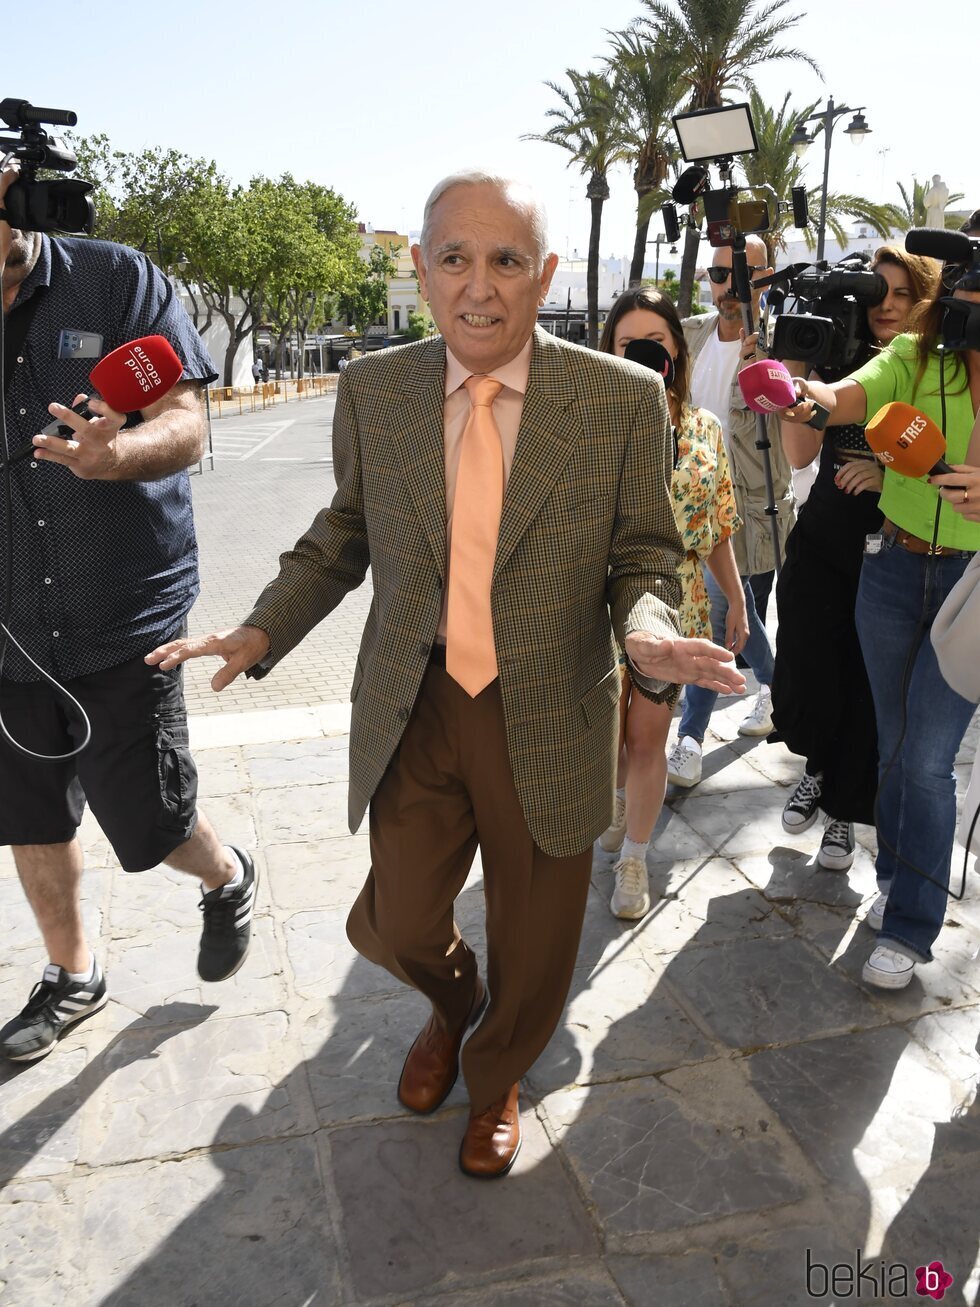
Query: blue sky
{"x": 379, "y": 100}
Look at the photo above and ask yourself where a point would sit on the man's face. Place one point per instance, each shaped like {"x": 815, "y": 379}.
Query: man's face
{"x": 723, "y": 296}
{"x": 481, "y": 275}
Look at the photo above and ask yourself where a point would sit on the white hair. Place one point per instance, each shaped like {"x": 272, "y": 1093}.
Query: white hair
{"x": 519, "y": 193}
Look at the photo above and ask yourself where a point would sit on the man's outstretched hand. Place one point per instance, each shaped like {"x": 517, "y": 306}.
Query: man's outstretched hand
{"x": 241, "y": 648}
{"x": 685, "y": 662}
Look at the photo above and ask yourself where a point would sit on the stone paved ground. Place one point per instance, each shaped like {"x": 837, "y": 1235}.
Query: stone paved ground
{"x": 723, "y": 1101}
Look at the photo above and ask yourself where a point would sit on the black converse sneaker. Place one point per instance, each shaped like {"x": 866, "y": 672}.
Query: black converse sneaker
{"x": 837, "y": 846}
{"x": 56, "y": 1003}
{"x": 227, "y": 924}
{"x": 803, "y": 806}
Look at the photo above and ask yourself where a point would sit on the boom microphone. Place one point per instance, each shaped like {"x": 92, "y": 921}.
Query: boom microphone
{"x": 907, "y": 441}
{"x": 767, "y": 387}
{"x": 936, "y": 243}
{"x": 651, "y": 354}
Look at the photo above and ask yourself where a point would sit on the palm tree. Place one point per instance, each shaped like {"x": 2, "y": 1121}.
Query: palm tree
{"x": 583, "y": 125}
{"x": 773, "y": 171}
{"x": 913, "y": 208}
{"x": 719, "y": 43}
{"x": 649, "y": 80}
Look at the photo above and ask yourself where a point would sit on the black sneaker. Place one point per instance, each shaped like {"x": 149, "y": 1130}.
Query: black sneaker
{"x": 227, "y": 924}
{"x": 837, "y": 846}
{"x": 56, "y": 1002}
{"x": 803, "y": 806}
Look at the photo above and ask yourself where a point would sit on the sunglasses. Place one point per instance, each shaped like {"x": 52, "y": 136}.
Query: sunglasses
{"x": 720, "y": 275}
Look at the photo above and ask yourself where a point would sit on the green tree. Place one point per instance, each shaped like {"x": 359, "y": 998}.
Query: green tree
{"x": 584, "y": 126}
{"x": 913, "y": 206}
{"x": 773, "y": 171}
{"x": 367, "y": 300}
{"x": 649, "y": 82}
{"x": 719, "y": 44}
{"x": 419, "y": 326}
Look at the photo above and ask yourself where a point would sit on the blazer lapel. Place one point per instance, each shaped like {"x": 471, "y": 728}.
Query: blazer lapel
{"x": 418, "y": 423}
{"x": 549, "y": 430}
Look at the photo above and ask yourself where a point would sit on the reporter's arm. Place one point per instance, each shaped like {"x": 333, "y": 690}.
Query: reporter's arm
{"x": 170, "y": 438}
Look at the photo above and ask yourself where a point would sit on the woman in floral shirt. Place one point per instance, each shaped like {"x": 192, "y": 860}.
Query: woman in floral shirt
{"x": 704, "y": 507}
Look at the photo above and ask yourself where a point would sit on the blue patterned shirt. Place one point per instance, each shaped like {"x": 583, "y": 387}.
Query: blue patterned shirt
{"x": 102, "y": 570}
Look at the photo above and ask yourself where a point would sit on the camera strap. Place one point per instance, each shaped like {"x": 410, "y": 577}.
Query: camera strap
{"x": 15, "y": 328}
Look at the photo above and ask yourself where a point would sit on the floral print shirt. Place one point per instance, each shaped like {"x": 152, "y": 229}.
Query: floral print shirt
{"x": 704, "y": 509}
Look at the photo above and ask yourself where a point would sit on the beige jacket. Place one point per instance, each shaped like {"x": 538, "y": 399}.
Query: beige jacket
{"x": 753, "y": 544}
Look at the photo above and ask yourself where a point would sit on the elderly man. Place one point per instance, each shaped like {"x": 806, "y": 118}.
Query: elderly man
{"x": 507, "y": 490}
{"x": 714, "y": 340}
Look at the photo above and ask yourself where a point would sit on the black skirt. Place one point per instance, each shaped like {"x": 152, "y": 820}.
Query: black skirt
{"x": 821, "y": 700}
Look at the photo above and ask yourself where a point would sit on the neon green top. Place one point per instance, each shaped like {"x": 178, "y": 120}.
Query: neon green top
{"x": 911, "y": 503}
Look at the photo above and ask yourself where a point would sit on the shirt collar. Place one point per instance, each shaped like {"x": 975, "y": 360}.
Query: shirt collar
{"x": 513, "y": 375}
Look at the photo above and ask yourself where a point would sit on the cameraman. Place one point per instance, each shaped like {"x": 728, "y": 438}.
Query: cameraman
{"x": 822, "y": 705}
{"x": 104, "y": 566}
{"x": 928, "y": 537}
{"x": 717, "y": 353}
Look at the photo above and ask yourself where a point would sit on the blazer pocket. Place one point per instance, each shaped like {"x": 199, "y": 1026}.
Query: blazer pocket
{"x": 355, "y": 687}
{"x": 596, "y": 704}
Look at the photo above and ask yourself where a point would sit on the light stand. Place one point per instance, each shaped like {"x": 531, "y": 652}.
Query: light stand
{"x": 718, "y": 135}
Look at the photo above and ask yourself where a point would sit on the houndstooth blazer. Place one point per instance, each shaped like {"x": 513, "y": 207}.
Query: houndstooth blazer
{"x": 587, "y": 531}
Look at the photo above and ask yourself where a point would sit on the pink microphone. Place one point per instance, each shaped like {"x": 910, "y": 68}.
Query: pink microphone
{"x": 767, "y": 387}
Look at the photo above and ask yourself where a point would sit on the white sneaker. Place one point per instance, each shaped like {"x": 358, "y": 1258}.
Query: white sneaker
{"x": 802, "y": 808}
{"x": 758, "y": 721}
{"x": 612, "y": 838}
{"x": 684, "y": 762}
{"x": 631, "y": 897}
{"x": 887, "y": 969}
{"x": 837, "y": 845}
{"x": 876, "y": 913}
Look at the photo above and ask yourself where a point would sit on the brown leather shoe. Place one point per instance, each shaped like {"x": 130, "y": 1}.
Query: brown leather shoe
{"x": 432, "y": 1064}
{"x": 493, "y": 1139}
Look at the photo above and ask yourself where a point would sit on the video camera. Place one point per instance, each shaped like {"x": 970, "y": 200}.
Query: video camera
{"x": 49, "y": 205}
{"x": 960, "y": 256}
{"x": 828, "y": 325}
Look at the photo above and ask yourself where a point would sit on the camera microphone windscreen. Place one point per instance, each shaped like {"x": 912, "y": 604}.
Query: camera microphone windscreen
{"x": 935, "y": 243}
{"x": 690, "y": 185}
{"x": 651, "y": 354}
{"x": 907, "y": 441}
{"x": 137, "y": 374}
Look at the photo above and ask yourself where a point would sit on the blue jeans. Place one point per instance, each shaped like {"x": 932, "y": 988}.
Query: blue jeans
{"x": 698, "y": 702}
{"x": 917, "y": 798}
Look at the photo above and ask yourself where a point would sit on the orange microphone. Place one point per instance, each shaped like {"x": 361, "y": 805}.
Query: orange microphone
{"x": 907, "y": 441}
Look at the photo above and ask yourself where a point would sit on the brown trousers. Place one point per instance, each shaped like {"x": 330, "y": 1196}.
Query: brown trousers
{"x": 448, "y": 789}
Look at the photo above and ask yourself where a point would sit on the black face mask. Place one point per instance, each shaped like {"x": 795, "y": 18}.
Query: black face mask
{"x": 961, "y": 324}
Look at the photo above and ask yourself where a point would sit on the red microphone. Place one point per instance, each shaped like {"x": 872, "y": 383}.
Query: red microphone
{"x": 130, "y": 378}
{"x": 907, "y": 441}
{"x": 767, "y": 387}
{"x": 137, "y": 374}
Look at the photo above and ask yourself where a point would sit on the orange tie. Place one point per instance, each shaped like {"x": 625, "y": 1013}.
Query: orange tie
{"x": 471, "y": 658}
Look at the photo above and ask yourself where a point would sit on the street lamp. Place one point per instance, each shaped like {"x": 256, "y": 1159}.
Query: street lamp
{"x": 658, "y": 240}
{"x": 857, "y": 130}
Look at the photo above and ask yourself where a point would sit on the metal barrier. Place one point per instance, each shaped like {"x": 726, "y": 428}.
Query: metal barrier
{"x": 269, "y": 393}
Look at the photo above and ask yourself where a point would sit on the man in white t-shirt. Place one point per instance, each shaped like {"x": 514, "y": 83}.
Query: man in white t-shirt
{"x": 714, "y": 340}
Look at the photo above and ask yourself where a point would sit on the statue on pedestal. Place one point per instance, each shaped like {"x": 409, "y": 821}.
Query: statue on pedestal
{"x": 935, "y": 199}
